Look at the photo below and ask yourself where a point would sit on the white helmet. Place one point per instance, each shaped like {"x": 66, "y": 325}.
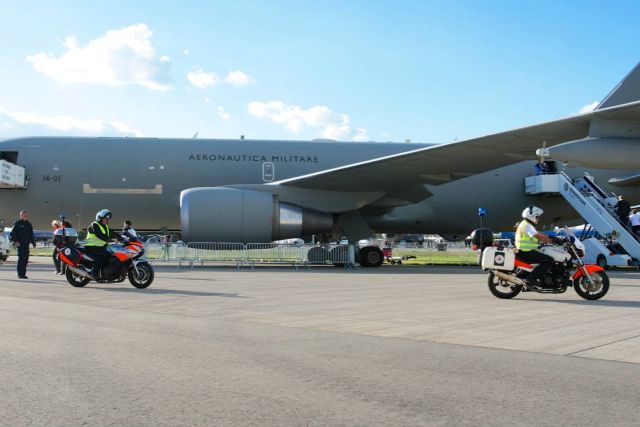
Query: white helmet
{"x": 532, "y": 213}
{"x": 104, "y": 213}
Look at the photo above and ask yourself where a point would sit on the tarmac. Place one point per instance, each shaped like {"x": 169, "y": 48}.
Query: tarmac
{"x": 398, "y": 345}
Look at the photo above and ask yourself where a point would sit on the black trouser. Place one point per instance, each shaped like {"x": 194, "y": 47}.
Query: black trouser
{"x": 535, "y": 257}
{"x": 99, "y": 255}
{"x": 56, "y": 259}
{"x": 23, "y": 259}
{"x": 636, "y": 229}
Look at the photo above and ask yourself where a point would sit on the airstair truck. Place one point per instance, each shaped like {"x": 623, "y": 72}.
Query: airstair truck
{"x": 11, "y": 175}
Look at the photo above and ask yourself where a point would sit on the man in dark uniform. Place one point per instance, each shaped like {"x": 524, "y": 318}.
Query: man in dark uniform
{"x": 622, "y": 209}
{"x": 22, "y": 236}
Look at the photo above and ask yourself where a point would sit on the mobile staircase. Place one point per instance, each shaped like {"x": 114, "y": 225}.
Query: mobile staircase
{"x": 590, "y": 201}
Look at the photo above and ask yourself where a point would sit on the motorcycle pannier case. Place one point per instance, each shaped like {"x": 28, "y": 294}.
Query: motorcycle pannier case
{"x": 70, "y": 255}
{"x": 498, "y": 259}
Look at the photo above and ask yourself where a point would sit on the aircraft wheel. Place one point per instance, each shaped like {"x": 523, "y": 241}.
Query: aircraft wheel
{"x": 370, "y": 256}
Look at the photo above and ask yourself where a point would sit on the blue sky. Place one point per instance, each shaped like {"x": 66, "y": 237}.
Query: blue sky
{"x": 431, "y": 71}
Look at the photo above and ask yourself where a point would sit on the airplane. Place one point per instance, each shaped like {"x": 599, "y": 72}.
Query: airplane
{"x": 221, "y": 190}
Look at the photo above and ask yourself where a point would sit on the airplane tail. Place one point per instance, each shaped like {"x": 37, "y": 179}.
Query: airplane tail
{"x": 628, "y": 90}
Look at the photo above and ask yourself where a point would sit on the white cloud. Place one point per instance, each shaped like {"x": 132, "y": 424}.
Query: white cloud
{"x": 203, "y": 79}
{"x": 207, "y": 100}
{"x": 223, "y": 114}
{"x": 295, "y": 119}
{"x": 239, "y": 78}
{"x": 361, "y": 135}
{"x": 120, "y": 57}
{"x": 185, "y": 51}
{"x": 589, "y": 107}
{"x": 31, "y": 122}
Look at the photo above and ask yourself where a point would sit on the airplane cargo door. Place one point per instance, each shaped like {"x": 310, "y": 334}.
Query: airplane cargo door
{"x": 124, "y": 176}
{"x": 123, "y": 166}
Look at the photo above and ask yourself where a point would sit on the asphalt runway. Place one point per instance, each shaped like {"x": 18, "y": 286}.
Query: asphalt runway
{"x": 275, "y": 346}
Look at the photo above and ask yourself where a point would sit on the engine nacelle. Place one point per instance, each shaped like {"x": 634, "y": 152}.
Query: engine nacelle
{"x": 218, "y": 214}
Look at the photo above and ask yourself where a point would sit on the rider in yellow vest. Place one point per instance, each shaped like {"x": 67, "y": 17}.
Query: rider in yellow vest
{"x": 528, "y": 240}
{"x": 98, "y": 236}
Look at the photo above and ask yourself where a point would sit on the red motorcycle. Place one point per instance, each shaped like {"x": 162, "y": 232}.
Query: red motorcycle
{"x": 123, "y": 260}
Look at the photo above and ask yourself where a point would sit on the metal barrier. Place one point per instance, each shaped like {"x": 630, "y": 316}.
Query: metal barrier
{"x": 216, "y": 252}
{"x": 275, "y": 253}
{"x": 341, "y": 255}
{"x": 253, "y": 253}
{"x": 167, "y": 251}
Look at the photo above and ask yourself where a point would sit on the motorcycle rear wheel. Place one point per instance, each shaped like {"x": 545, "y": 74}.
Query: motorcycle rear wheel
{"x": 76, "y": 280}
{"x": 596, "y": 291}
{"x": 501, "y": 288}
{"x": 143, "y": 278}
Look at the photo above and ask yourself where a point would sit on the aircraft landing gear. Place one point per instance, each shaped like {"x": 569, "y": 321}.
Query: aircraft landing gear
{"x": 370, "y": 256}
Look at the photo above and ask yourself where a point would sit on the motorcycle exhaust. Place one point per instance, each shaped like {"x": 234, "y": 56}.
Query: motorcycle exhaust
{"x": 509, "y": 278}
{"x": 79, "y": 272}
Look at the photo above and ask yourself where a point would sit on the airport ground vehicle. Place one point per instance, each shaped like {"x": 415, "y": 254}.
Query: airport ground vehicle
{"x": 597, "y": 252}
{"x": 124, "y": 260}
{"x": 507, "y": 273}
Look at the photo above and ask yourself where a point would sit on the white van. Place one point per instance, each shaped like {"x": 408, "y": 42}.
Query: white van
{"x": 596, "y": 252}
{"x": 5, "y": 245}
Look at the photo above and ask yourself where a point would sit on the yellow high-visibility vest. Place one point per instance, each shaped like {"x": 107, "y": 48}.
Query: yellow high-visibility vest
{"x": 92, "y": 239}
{"x": 523, "y": 241}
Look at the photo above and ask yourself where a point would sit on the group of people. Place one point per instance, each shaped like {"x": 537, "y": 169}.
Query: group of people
{"x": 627, "y": 216}
{"x": 98, "y": 236}
{"x": 544, "y": 168}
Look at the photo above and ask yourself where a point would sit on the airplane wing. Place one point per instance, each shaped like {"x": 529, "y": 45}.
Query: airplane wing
{"x": 404, "y": 176}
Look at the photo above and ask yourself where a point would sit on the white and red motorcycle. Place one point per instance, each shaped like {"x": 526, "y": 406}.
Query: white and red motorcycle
{"x": 507, "y": 272}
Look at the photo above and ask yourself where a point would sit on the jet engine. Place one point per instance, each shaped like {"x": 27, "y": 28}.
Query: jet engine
{"x": 219, "y": 214}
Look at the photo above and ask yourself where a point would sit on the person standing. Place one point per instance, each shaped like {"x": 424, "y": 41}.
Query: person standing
{"x": 541, "y": 167}
{"x": 166, "y": 243}
{"x": 634, "y": 220}
{"x": 128, "y": 230}
{"x": 22, "y": 236}
{"x": 56, "y": 260}
{"x": 622, "y": 209}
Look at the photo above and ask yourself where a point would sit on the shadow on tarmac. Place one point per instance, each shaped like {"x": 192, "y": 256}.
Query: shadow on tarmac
{"x": 600, "y": 303}
{"x": 156, "y": 291}
{"x": 384, "y": 270}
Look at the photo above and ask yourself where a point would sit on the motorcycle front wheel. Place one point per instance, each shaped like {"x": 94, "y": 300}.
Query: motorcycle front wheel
{"x": 75, "y": 279}
{"x": 501, "y": 288}
{"x": 595, "y": 290}
{"x": 143, "y": 277}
